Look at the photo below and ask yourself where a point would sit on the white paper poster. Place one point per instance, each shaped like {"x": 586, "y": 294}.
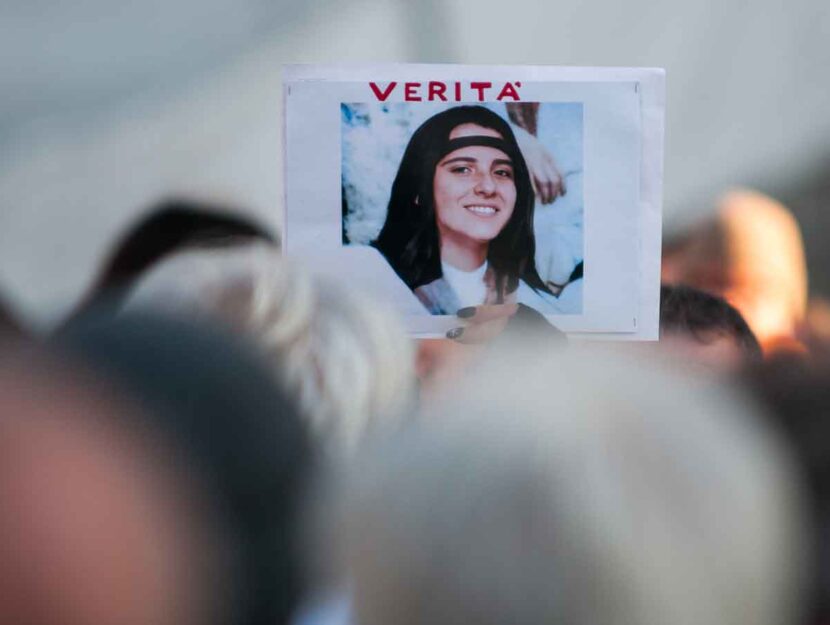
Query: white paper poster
{"x": 438, "y": 187}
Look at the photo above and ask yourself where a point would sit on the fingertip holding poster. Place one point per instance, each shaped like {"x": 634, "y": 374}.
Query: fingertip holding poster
{"x": 442, "y": 186}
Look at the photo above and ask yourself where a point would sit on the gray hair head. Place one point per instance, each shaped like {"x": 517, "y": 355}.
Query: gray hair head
{"x": 581, "y": 489}
{"x": 346, "y": 358}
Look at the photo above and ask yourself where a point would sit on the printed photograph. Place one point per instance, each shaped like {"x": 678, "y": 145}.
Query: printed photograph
{"x": 469, "y": 203}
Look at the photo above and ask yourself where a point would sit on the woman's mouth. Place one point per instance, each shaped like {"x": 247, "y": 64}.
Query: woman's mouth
{"x": 483, "y": 210}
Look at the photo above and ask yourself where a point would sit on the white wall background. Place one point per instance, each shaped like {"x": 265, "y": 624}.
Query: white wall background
{"x": 108, "y": 106}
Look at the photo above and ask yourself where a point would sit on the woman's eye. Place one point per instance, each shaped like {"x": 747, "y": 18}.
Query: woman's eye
{"x": 461, "y": 169}
{"x": 504, "y": 173}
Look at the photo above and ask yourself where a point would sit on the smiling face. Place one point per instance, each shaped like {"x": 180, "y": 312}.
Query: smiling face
{"x": 474, "y": 189}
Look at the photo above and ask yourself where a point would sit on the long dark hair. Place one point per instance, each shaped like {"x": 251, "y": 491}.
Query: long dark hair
{"x": 409, "y": 237}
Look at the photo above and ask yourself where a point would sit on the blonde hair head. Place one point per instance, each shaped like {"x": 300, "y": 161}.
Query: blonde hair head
{"x": 346, "y": 358}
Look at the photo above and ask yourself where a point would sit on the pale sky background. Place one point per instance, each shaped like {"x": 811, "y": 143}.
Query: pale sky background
{"x": 108, "y": 107}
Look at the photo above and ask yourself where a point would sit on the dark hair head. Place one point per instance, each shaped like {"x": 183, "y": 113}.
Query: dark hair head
{"x": 216, "y": 399}
{"x": 168, "y": 227}
{"x": 703, "y": 316}
{"x": 409, "y": 238}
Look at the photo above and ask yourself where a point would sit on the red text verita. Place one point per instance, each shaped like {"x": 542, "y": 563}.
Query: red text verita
{"x": 436, "y": 90}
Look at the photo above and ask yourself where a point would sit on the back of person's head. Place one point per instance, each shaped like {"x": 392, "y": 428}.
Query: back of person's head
{"x": 219, "y": 403}
{"x": 575, "y": 489}
{"x": 707, "y": 325}
{"x": 101, "y": 521}
{"x": 169, "y": 227}
{"x": 345, "y": 358}
{"x": 751, "y": 253}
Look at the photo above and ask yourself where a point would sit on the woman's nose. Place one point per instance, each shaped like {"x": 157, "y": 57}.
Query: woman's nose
{"x": 485, "y": 184}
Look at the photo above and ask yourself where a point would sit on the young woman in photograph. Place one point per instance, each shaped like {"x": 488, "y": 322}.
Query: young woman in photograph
{"x": 459, "y": 225}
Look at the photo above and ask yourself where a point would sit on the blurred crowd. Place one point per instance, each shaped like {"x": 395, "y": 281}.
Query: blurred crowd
{"x": 217, "y": 436}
